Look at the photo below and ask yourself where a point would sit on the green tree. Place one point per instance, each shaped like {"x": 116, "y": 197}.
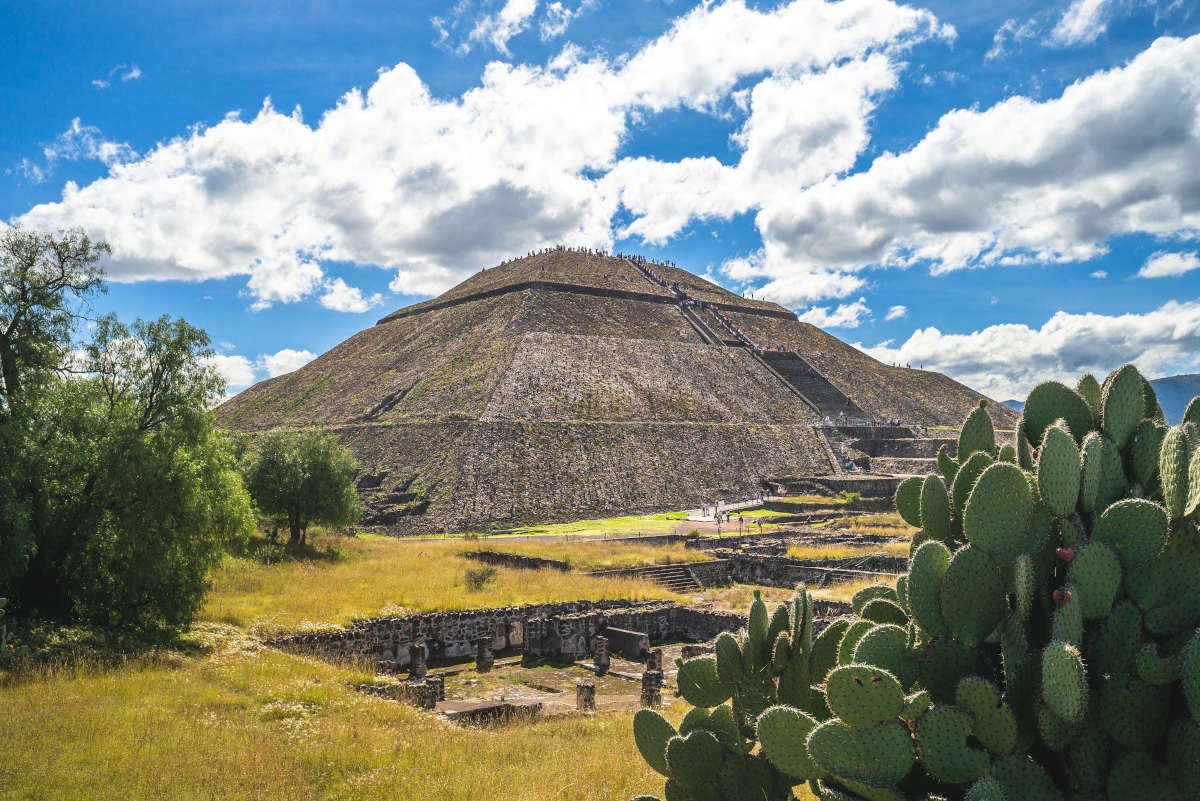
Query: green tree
{"x": 121, "y": 492}
{"x": 303, "y": 477}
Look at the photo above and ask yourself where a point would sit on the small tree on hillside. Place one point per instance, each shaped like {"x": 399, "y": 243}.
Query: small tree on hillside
{"x": 304, "y": 477}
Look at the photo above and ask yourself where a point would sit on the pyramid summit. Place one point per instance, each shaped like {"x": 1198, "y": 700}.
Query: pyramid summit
{"x": 571, "y": 382}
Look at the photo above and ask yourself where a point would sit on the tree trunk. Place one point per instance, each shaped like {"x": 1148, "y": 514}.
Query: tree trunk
{"x": 294, "y": 528}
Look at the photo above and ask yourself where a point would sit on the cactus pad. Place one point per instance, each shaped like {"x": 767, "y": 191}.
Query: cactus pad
{"x": 1049, "y": 402}
{"x": 881, "y": 610}
{"x": 1136, "y": 777}
{"x": 998, "y": 512}
{"x": 941, "y": 663}
{"x": 1122, "y": 404}
{"x": 908, "y": 500}
{"x": 976, "y": 434}
{"x": 964, "y": 480}
{"x": 870, "y": 593}
{"x": 1154, "y": 669}
{"x": 1112, "y": 646}
{"x": 973, "y": 598}
{"x": 825, "y": 649}
{"x": 1091, "y": 464}
{"x": 1025, "y": 779}
{"x": 1058, "y": 471}
{"x": 886, "y": 646}
{"x": 879, "y": 757}
{"x": 1189, "y": 674}
{"x": 1064, "y": 681}
{"x": 1143, "y": 452}
{"x": 926, "y": 571}
{"x": 986, "y": 789}
{"x": 1132, "y": 712}
{"x": 850, "y": 640}
{"x": 695, "y": 760}
{"x": 783, "y": 733}
{"x": 699, "y": 685}
{"x": 1096, "y": 572}
{"x": 864, "y": 696}
{"x": 995, "y": 725}
{"x": 729, "y": 659}
{"x": 1089, "y": 389}
{"x": 942, "y": 736}
{"x": 651, "y": 731}
{"x": 1135, "y": 528}
{"x": 935, "y": 508}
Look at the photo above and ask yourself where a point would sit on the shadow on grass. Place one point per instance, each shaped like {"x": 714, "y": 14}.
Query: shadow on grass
{"x": 269, "y": 551}
{"x": 57, "y": 648}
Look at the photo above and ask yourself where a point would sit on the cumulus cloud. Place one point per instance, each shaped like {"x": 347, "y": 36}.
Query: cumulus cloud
{"x": 236, "y": 370}
{"x": 340, "y": 296}
{"x": 795, "y": 285}
{"x": 846, "y": 315}
{"x": 1164, "y": 264}
{"x": 284, "y": 361}
{"x": 434, "y": 188}
{"x": 896, "y": 312}
{"x": 1021, "y": 182}
{"x": 239, "y": 371}
{"x": 1006, "y": 361}
{"x": 1082, "y": 22}
{"x": 1100, "y": 274}
{"x": 506, "y": 23}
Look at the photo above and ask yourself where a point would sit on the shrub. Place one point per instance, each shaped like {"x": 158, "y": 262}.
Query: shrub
{"x": 849, "y": 497}
{"x": 479, "y": 577}
{"x": 1043, "y": 645}
{"x": 8, "y": 651}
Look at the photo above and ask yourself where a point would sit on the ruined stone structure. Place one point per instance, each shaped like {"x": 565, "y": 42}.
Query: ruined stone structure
{"x": 543, "y": 631}
{"x": 569, "y": 384}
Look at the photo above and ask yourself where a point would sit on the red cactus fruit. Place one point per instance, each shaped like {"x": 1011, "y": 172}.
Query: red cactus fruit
{"x": 1061, "y": 597}
{"x": 1066, "y": 554}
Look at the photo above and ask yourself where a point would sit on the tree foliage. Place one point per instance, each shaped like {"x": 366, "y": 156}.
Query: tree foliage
{"x": 302, "y": 477}
{"x": 124, "y": 493}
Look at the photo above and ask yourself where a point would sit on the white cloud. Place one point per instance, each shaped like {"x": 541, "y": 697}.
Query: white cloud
{"x": 86, "y": 142}
{"x": 1008, "y": 37}
{"x": 100, "y": 83}
{"x": 896, "y": 312}
{"x": 498, "y": 28}
{"x": 1163, "y": 264}
{"x": 236, "y": 370}
{"x": 1081, "y": 23}
{"x": 340, "y": 296}
{"x": 846, "y": 315}
{"x": 558, "y": 18}
{"x": 1021, "y": 182}
{"x": 434, "y": 188}
{"x": 284, "y": 361}
{"x": 1098, "y": 274}
{"x": 1006, "y": 361}
{"x": 132, "y": 73}
{"x": 126, "y": 72}
{"x": 794, "y": 285}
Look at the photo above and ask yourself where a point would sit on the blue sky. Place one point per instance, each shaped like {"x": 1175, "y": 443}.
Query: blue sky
{"x": 1000, "y": 191}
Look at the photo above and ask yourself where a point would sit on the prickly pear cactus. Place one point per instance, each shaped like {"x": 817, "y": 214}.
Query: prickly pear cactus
{"x": 1044, "y": 645}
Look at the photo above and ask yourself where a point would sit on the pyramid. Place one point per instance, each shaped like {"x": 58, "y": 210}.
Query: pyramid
{"x": 570, "y": 383}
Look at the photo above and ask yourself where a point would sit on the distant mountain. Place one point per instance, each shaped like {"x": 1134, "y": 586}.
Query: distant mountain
{"x": 1174, "y": 393}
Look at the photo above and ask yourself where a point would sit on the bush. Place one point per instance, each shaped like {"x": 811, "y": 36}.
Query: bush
{"x": 1044, "y": 644}
{"x": 8, "y": 651}
{"x": 849, "y": 497}
{"x": 479, "y": 577}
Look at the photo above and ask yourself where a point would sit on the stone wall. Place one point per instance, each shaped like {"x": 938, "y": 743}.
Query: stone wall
{"x": 562, "y": 630}
{"x": 774, "y": 571}
{"x": 516, "y": 560}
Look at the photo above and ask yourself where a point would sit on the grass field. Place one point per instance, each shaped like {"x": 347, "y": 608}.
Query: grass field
{"x": 216, "y": 715}
{"x": 361, "y": 577}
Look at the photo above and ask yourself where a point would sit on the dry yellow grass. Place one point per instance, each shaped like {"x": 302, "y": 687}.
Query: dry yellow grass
{"x": 840, "y": 551}
{"x": 247, "y": 723}
{"x": 379, "y": 576}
